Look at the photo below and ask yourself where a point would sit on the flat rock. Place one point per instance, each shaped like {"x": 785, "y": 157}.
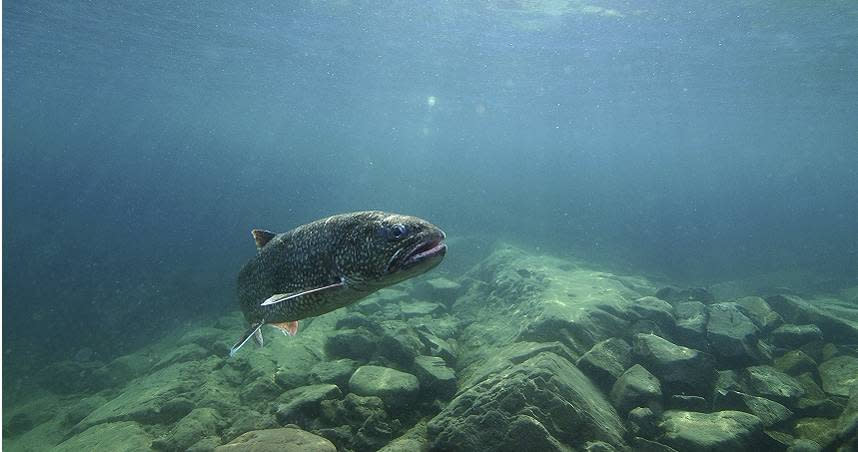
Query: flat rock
{"x": 723, "y": 430}
{"x": 679, "y": 369}
{"x": 435, "y": 376}
{"x": 636, "y": 387}
{"x": 395, "y": 388}
{"x": 415, "y": 308}
{"x": 335, "y": 372}
{"x": 439, "y": 289}
{"x": 545, "y": 398}
{"x": 198, "y": 424}
{"x": 768, "y": 382}
{"x": 358, "y": 344}
{"x": 839, "y": 375}
{"x": 278, "y": 440}
{"x": 115, "y": 436}
{"x": 795, "y": 362}
{"x": 606, "y": 361}
{"x": 794, "y": 336}
{"x": 302, "y": 403}
{"x": 836, "y": 318}
{"x": 769, "y": 411}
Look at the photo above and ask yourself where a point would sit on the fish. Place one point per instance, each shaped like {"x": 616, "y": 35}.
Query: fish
{"x": 329, "y": 264}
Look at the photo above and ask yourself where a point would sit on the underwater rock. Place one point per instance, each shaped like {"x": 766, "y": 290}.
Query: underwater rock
{"x": 365, "y": 425}
{"x": 69, "y": 377}
{"x": 688, "y": 403}
{"x": 804, "y": 445}
{"x": 769, "y": 411}
{"x": 690, "y": 327}
{"x": 118, "y": 436}
{"x": 187, "y": 352}
{"x": 834, "y": 319}
{"x": 646, "y": 445}
{"x": 127, "y": 367}
{"x": 205, "y": 337}
{"x": 723, "y": 430}
{"x": 794, "y": 336}
{"x": 299, "y": 405}
{"x": 437, "y": 346}
{"x": 335, "y": 372}
{"x": 435, "y": 377}
{"x": 673, "y": 295}
{"x": 681, "y": 370}
{"x": 277, "y": 440}
{"x": 384, "y": 303}
{"x": 732, "y": 336}
{"x": 412, "y": 440}
{"x": 415, "y": 308}
{"x": 357, "y": 344}
{"x": 259, "y": 390}
{"x": 198, "y": 424}
{"x": 355, "y": 320}
{"x": 819, "y": 430}
{"x": 19, "y": 423}
{"x": 636, "y": 387}
{"x": 162, "y": 397}
{"x": 839, "y": 375}
{"x": 439, "y": 289}
{"x": 795, "y": 362}
{"x": 545, "y": 387}
{"x": 207, "y": 444}
{"x": 768, "y": 382}
{"x": 729, "y": 380}
{"x": 763, "y": 316}
{"x": 606, "y": 361}
{"x": 526, "y": 433}
{"x": 400, "y": 345}
{"x": 652, "y": 308}
{"x": 246, "y": 421}
{"x": 643, "y": 422}
{"x": 82, "y": 408}
{"x": 397, "y": 389}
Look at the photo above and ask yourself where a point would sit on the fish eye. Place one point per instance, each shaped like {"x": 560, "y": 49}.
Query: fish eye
{"x": 397, "y": 231}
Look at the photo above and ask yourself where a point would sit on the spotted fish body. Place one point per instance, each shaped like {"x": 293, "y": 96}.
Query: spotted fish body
{"x": 331, "y": 263}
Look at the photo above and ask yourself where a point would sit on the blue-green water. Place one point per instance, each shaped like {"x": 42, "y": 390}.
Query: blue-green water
{"x": 697, "y": 142}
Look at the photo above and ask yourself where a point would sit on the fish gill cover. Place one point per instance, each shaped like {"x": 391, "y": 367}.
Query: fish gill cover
{"x": 650, "y": 211}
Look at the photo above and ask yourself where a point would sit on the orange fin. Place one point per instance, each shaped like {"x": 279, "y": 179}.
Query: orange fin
{"x": 288, "y": 328}
{"x": 261, "y": 237}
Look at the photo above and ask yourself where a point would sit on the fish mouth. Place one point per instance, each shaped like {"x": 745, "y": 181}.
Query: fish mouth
{"x": 431, "y": 250}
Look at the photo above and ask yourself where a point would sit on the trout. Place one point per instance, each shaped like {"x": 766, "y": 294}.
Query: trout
{"x": 331, "y": 263}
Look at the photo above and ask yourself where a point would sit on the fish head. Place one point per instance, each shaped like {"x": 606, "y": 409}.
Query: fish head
{"x": 388, "y": 248}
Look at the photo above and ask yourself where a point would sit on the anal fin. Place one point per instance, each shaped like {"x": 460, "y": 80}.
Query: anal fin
{"x": 287, "y": 328}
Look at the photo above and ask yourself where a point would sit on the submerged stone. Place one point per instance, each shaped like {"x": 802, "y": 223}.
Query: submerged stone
{"x": 395, "y": 388}
{"x": 769, "y": 411}
{"x": 723, "y": 430}
{"x": 681, "y": 370}
{"x": 606, "y": 361}
{"x": 732, "y": 336}
{"x": 114, "y": 436}
{"x": 636, "y": 387}
{"x": 768, "y": 382}
{"x": 839, "y": 375}
{"x": 794, "y": 336}
{"x": 276, "y": 440}
{"x": 435, "y": 376}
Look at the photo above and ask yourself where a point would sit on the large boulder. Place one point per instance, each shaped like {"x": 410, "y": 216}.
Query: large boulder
{"x": 839, "y": 375}
{"x": 397, "y": 389}
{"x": 606, "y": 361}
{"x": 768, "y": 382}
{"x": 435, "y": 376}
{"x": 769, "y": 411}
{"x": 198, "y": 424}
{"x": 115, "y": 436}
{"x": 299, "y": 405}
{"x": 277, "y": 440}
{"x": 636, "y": 387}
{"x": 691, "y": 321}
{"x": 681, "y": 370}
{"x": 723, "y": 430}
{"x": 732, "y": 335}
{"x": 763, "y": 316}
{"x": 794, "y": 336}
{"x": 544, "y": 398}
{"x": 836, "y": 318}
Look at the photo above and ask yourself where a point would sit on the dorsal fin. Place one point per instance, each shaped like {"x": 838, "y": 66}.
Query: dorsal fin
{"x": 261, "y": 236}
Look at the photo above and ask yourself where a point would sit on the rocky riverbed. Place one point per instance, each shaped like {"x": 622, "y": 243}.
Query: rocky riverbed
{"x": 521, "y": 352}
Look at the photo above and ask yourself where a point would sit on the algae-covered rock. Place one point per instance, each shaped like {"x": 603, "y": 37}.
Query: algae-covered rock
{"x": 768, "y": 382}
{"x": 116, "y": 436}
{"x": 412, "y": 440}
{"x": 364, "y": 423}
{"x": 198, "y": 424}
{"x": 839, "y": 375}
{"x": 358, "y": 344}
{"x": 643, "y": 421}
{"x": 278, "y": 440}
{"x": 606, "y": 361}
{"x": 439, "y": 289}
{"x": 769, "y": 411}
{"x": 400, "y": 345}
{"x": 82, "y": 408}
{"x": 395, "y": 388}
{"x": 437, "y": 346}
{"x": 435, "y": 377}
{"x": 560, "y": 400}
{"x": 187, "y": 352}
{"x": 819, "y": 430}
{"x": 158, "y": 398}
{"x": 681, "y": 370}
{"x": 415, "y": 308}
{"x": 794, "y": 336}
{"x": 335, "y": 372}
{"x": 723, "y": 430}
{"x": 795, "y": 362}
{"x": 835, "y": 318}
{"x": 636, "y": 387}
{"x": 760, "y": 313}
{"x": 732, "y": 336}
{"x": 300, "y": 404}
{"x": 691, "y": 321}
{"x": 259, "y": 390}
{"x": 246, "y": 421}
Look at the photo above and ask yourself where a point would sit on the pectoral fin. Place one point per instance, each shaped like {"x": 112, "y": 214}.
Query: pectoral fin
{"x": 251, "y": 332}
{"x": 281, "y": 297}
